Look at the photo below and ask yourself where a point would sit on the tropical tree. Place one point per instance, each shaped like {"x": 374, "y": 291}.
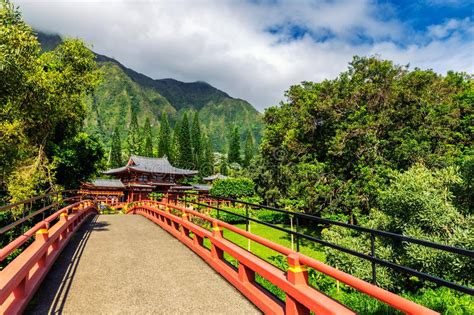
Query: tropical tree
{"x": 116, "y": 149}
{"x": 333, "y": 144}
{"x": 196, "y": 138}
{"x": 147, "y": 139}
{"x": 249, "y": 149}
{"x": 41, "y": 96}
{"x": 234, "y": 146}
{"x": 134, "y": 138}
{"x": 174, "y": 145}
{"x": 164, "y": 144}
{"x": 185, "y": 155}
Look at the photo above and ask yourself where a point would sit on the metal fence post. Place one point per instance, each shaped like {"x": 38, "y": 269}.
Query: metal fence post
{"x": 297, "y": 236}
{"x": 372, "y": 253}
{"x": 246, "y": 218}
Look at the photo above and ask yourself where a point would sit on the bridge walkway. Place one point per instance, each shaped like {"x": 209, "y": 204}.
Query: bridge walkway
{"x": 127, "y": 264}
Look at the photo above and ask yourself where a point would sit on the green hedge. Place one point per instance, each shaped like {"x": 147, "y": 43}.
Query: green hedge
{"x": 233, "y": 188}
{"x": 227, "y": 217}
{"x": 271, "y": 216}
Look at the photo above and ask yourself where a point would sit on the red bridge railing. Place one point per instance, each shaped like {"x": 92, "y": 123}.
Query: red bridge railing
{"x": 301, "y": 298}
{"x": 21, "y": 277}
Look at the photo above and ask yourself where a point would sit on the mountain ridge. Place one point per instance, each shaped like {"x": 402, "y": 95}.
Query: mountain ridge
{"x": 124, "y": 90}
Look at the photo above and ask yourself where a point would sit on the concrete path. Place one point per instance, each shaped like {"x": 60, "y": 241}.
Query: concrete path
{"x": 125, "y": 264}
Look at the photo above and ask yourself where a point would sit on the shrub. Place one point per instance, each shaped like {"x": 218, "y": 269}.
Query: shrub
{"x": 271, "y": 216}
{"x": 155, "y": 196}
{"x": 227, "y": 217}
{"x": 233, "y": 188}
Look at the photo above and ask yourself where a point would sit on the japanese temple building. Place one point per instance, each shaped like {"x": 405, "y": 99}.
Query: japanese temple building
{"x": 139, "y": 177}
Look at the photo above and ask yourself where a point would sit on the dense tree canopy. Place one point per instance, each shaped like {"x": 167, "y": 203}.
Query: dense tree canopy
{"x": 334, "y": 143}
{"x": 42, "y": 107}
{"x": 196, "y": 138}
{"x": 164, "y": 142}
{"x": 233, "y": 154}
{"x": 115, "y": 159}
{"x": 134, "y": 139}
{"x": 147, "y": 136}
{"x": 184, "y": 154}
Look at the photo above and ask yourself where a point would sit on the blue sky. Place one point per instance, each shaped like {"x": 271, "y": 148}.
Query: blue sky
{"x": 256, "y": 49}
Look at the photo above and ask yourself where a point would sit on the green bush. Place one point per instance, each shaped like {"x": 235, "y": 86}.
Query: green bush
{"x": 271, "y": 216}
{"x": 227, "y": 217}
{"x": 155, "y": 196}
{"x": 233, "y": 188}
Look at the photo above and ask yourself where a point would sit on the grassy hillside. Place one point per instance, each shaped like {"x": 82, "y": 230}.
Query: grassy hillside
{"x": 123, "y": 90}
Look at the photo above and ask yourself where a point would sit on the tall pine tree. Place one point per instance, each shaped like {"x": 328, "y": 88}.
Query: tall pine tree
{"x": 116, "y": 150}
{"x": 185, "y": 153}
{"x": 134, "y": 139}
{"x": 196, "y": 142}
{"x": 174, "y": 144}
{"x": 147, "y": 149}
{"x": 234, "y": 146}
{"x": 164, "y": 145}
{"x": 249, "y": 149}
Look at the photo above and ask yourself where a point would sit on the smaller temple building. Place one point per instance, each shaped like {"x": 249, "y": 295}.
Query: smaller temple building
{"x": 214, "y": 177}
{"x": 139, "y": 177}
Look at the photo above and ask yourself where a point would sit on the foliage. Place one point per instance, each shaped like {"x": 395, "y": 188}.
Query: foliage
{"x": 123, "y": 88}
{"x": 155, "y": 196}
{"x": 463, "y": 191}
{"x": 249, "y": 149}
{"x": 116, "y": 150}
{"x": 147, "y": 139}
{"x": 164, "y": 145}
{"x": 233, "y": 154}
{"x": 207, "y": 165}
{"x": 271, "y": 216}
{"x": 134, "y": 138}
{"x": 184, "y": 154}
{"x": 42, "y": 103}
{"x": 417, "y": 203}
{"x": 232, "y": 188}
{"x": 334, "y": 143}
{"x": 224, "y": 167}
{"x": 196, "y": 143}
{"x": 77, "y": 159}
{"x": 228, "y": 216}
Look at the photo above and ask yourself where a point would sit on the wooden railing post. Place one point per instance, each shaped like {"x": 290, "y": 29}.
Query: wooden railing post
{"x": 217, "y": 232}
{"x": 63, "y": 218}
{"x": 20, "y": 291}
{"x": 297, "y": 274}
{"x": 246, "y": 275}
{"x": 184, "y": 230}
{"x": 41, "y": 237}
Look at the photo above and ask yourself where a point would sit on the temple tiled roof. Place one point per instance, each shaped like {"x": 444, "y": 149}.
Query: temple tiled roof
{"x": 107, "y": 183}
{"x": 201, "y": 187}
{"x": 150, "y": 165}
{"x": 214, "y": 177}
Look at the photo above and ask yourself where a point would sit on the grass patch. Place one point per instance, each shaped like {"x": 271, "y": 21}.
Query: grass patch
{"x": 279, "y": 237}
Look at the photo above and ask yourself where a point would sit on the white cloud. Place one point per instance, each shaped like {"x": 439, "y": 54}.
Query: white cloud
{"x": 225, "y": 43}
{"x": 458, "y": 26}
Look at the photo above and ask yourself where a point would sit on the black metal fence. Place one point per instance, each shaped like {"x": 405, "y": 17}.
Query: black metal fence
{"x": 197, "y": 199}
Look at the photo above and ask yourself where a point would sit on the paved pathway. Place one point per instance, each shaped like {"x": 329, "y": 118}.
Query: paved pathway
{"x": 125, "y": 264}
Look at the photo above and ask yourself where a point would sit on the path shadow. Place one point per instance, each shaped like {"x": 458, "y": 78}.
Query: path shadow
{"x": 52, "y": 294}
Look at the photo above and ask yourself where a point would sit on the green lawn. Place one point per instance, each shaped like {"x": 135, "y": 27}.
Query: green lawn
{"x": 282, "y": 238}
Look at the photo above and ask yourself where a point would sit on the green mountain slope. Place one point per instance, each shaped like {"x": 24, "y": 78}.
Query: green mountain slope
{"x": 123, "y": 90}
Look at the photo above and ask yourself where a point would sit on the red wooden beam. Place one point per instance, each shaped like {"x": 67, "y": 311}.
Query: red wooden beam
{"x": 301, "y": 298}
{"x": 21, "y": 278}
